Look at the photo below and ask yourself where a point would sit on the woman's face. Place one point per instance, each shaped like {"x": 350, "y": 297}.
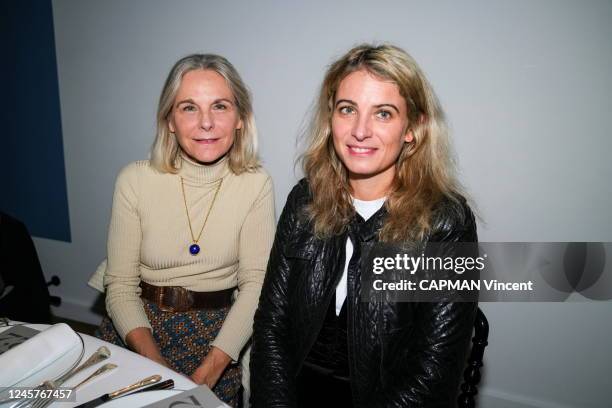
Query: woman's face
{"x": 369, "y": 127}
{"x": 204, "y": 116}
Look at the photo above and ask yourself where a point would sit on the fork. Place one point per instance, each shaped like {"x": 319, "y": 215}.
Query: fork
{"x": 99, "y": 355}
{"x": 44, "y": 402}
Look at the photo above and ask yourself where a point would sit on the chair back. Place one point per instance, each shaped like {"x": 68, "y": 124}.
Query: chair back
{"x": 471, "y": 375}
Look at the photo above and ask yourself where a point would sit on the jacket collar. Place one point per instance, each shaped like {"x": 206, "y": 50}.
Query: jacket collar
{"x": 367, "y": 230}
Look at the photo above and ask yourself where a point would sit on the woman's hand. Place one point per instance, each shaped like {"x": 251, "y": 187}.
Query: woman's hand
{"x": 141, "y": 341}
{"x": 211, "y": 368}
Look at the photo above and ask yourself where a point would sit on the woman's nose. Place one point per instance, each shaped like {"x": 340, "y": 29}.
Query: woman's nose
{"x": 206, "y": 121}
{"x": 362, "y": 128}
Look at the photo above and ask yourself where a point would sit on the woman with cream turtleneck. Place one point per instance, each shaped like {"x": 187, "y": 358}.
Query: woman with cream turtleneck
{"x": 191, "y": 231}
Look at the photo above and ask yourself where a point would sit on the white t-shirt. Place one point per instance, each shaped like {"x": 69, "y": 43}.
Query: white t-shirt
{"x": 366, "y": 209}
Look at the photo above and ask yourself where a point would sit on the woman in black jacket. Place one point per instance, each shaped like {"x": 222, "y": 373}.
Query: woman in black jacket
{"x": 378, "y": 170}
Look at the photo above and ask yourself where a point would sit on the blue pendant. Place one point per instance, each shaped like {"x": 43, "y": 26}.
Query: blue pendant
{"x": 194, "y": 249}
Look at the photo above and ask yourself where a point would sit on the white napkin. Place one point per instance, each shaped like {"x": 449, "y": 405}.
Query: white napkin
{"x": 97, "y": 279}
{"x": 37, "y": 353}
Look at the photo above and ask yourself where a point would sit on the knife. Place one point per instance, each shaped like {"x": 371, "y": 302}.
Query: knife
{"x": 123, "y": 391}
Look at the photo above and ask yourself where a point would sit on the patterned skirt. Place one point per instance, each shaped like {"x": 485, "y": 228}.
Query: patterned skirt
{"x": 184, "y": 339}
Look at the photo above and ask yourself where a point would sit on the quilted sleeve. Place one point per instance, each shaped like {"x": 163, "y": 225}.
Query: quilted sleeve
{"x": 272, "y": 355}
{"x": 431, "y": 371}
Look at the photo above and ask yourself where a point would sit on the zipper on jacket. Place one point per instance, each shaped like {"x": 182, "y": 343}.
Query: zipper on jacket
{"x": 350, "y": 290}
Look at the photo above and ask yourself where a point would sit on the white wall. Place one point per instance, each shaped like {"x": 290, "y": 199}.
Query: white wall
{"x": 526, "y": 85}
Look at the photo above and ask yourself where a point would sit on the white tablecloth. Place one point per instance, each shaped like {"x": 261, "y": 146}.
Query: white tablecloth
{"x": 131, "y": 368}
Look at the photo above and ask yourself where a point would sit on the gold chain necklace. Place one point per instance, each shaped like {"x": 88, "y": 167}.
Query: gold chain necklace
{"x": 194, "y": 248}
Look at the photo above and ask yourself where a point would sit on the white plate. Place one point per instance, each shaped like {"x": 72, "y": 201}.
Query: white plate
{"x": 51, "y": 372}
{"x": 56, "y": 369}
{"x": 140, "y": 399}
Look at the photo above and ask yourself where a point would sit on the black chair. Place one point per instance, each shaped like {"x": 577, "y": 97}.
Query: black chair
{"x": 23, "y": 291}
{"x": 471, "y": 375}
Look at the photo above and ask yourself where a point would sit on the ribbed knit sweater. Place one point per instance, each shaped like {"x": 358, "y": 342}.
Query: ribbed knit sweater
{"x": 149, "y": 240}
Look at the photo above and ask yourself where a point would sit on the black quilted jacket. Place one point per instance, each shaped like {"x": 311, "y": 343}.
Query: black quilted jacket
{"x": 400, "y": 354}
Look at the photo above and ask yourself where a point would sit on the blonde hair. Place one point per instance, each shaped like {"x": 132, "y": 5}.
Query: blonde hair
{"x": 243, "y": 153}
{"x": 424, "y": 169}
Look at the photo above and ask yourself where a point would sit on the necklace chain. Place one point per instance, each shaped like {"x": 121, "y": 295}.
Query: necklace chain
{"x": 193, "y": 237}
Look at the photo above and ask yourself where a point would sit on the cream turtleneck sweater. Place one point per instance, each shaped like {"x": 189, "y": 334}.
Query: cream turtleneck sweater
{"x": 149, "y": 240}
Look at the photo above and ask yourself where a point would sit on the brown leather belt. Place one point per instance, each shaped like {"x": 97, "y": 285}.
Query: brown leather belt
{"x": 179, "y": 299}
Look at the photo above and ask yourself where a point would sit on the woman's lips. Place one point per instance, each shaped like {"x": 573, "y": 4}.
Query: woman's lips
{"x": 205, "y": 141}
{"x": 361, "y": 150}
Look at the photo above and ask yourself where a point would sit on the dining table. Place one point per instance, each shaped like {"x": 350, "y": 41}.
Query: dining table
{"x": 131, "y": 368}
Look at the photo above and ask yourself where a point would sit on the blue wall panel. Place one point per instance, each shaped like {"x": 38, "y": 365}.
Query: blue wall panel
{"x": 33, "y": 187}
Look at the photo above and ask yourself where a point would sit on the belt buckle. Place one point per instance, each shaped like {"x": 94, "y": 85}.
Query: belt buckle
{"x": 176, "y": 299}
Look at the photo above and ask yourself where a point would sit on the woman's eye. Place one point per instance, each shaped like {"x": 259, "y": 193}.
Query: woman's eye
{"x": 346, "y": 110}
{"x": 219, "y": 106}
{"x": 383, "y": 114}
{"x": 188, "y": 108}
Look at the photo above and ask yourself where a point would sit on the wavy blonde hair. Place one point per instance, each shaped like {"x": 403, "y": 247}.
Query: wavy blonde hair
{"x": 243, "y": 153}
{"x": 424, "y": 169}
